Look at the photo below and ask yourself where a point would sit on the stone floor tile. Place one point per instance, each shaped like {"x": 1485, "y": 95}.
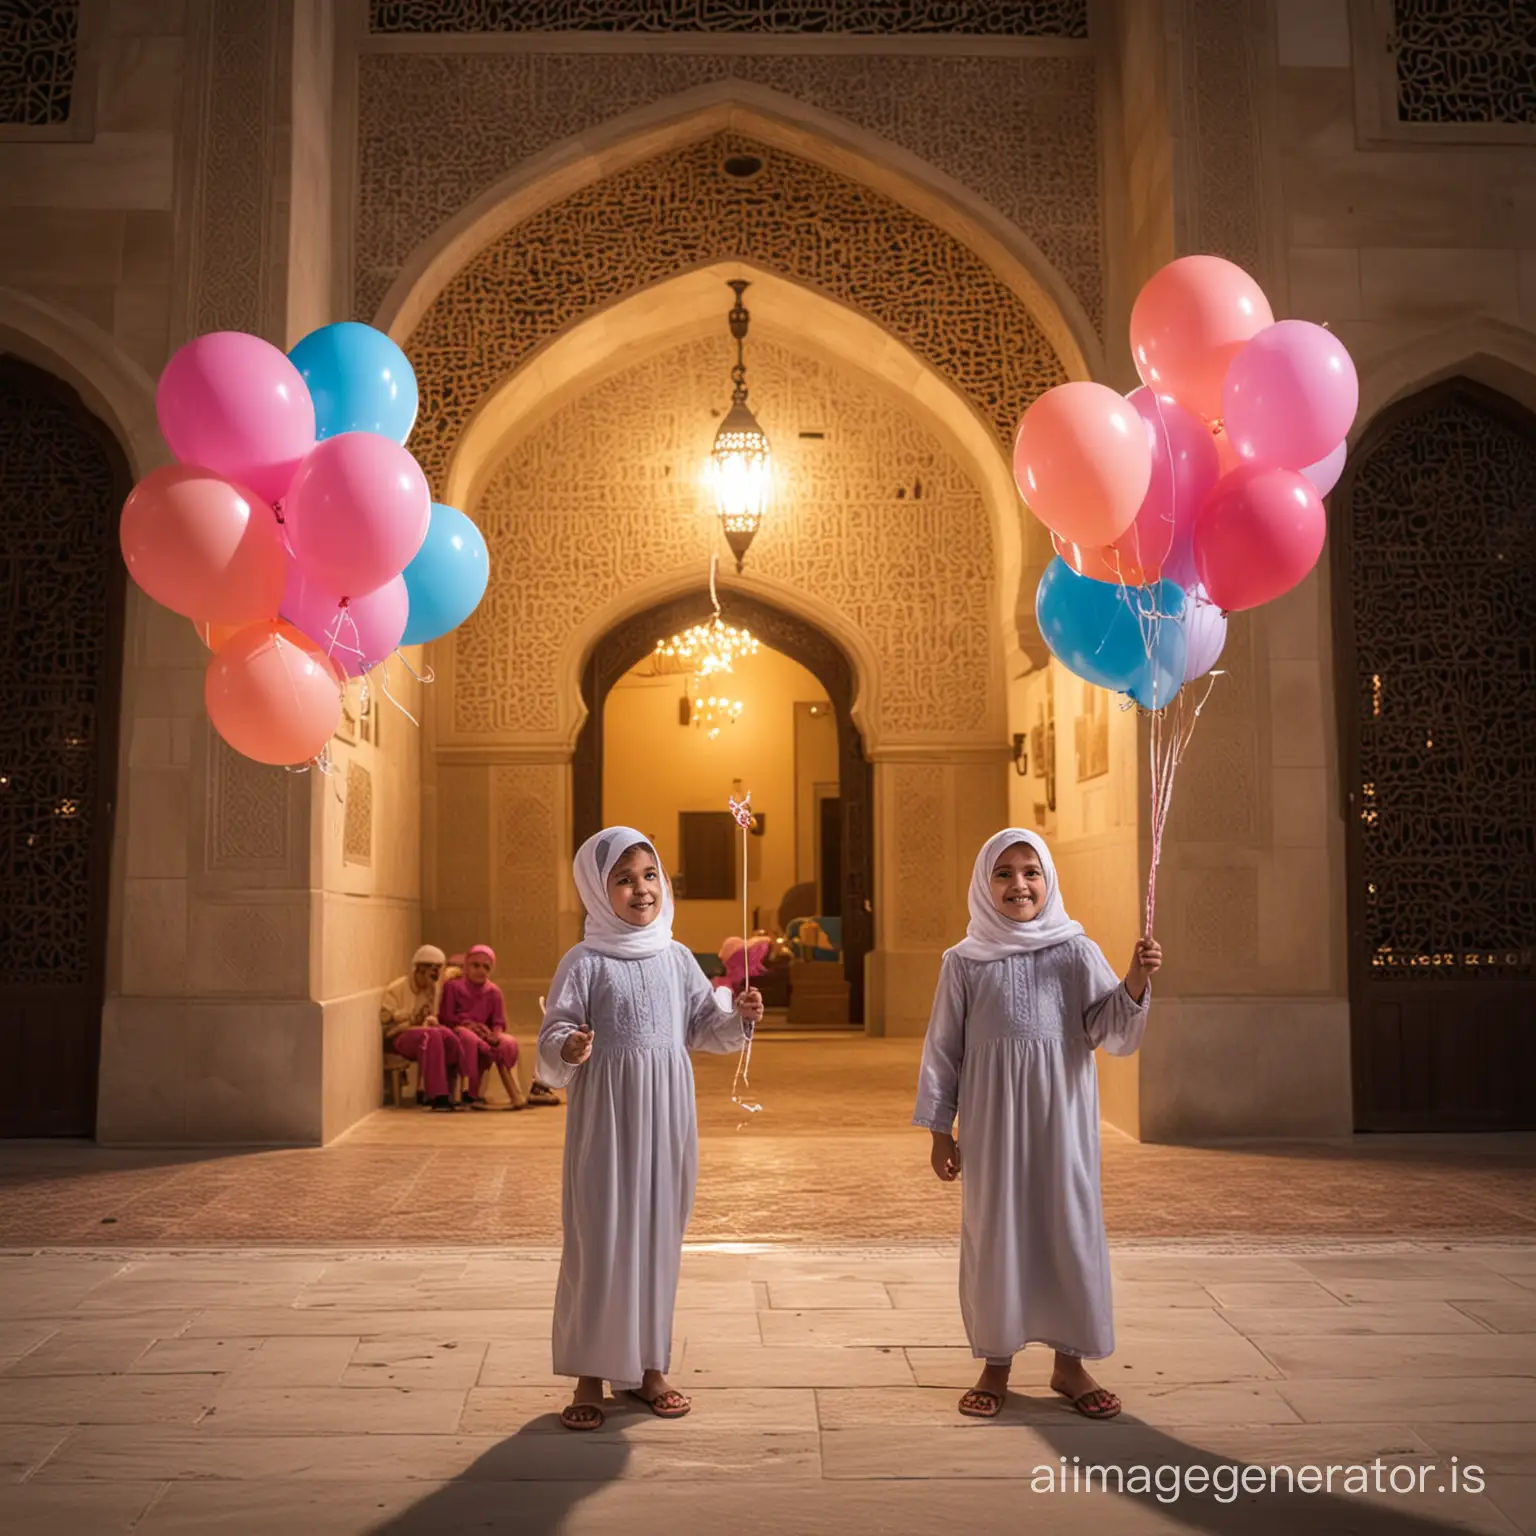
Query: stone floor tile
{"x": 1136, "y": 1362}
{"x": 804, "y": 1295}
{"x": 1502, "y": 1316}
{"x": 105, "y": 1399}
{"x": 702, "y": 1326}
{"x": 1414, "y": 1357}
{"x": 78, "y": 1351}
{"x": 1275, "y": 1294}
{"x": 1391, "y": 1399}
{"x": 23, "y": 1446}
{"x": 531, "y": 1410}
{"x": 1202, "y": 1269}
{"x": 1456, "y": 1287}
{"x": 1151, "y": 1294}
{"x": 395, "y": 1363}
{"x": 301, "y": 1362}
{"x": 1423, "y": 1317}
{"x": 18, "y": 1338}
{"x": 1505, "y": 1448}
{"x": 212, "y": 1270}
{"x": 179, "y": 1357}
{"x": 362, "y": 1321}
{"x": 863, "y": 1329}
{"x": 713, "y": 1295}
{"x": 521, "y": 1363}
{"x": 95, "y": 1509}
{"x": 127, "y": 1294}
{"x": 790, "y": 1365}
{"x": 1515, "y": 1498}
{"x": 334, "y": 1410}
{"x": 1203, "y": 1403}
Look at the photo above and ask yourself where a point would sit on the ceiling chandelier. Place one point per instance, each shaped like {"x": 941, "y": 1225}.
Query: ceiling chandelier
{"x": 740, "y": 462}
{"x": 704, "y": 651}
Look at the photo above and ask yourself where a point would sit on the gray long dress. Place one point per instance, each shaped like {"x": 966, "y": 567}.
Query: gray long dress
{"x": 1010, "y": 1047}
{"x": 631, "y": 1151}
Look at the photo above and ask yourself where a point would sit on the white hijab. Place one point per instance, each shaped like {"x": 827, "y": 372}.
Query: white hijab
{"x": 606, "y": 931}
{"x": 991, "y": 936}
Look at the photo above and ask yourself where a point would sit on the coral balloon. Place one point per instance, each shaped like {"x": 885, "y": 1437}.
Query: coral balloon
{"x": 272, "y": 695}
{"x": 1205, "y": 635}
{"x": 357, "y": 512}
{"x": 235, "y": 404}
{"x": 1124, "y": 562}
{"x": 215, "y": 635}
{"x": 1082, "y": 462}
{"x": 1189, "y": 322}
{"x": 1325, "y": 473}
{"x": 356, "y": 633}
{"x": 1258, "y": 534}
{"x": 1290, "y": 395}
{"x": 203, "y": 546}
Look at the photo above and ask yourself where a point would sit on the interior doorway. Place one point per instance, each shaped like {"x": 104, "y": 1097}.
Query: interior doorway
{"x": 851, "y": 823}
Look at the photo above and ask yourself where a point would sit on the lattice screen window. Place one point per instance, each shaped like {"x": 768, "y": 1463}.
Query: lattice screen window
{"x": 1465, "y": 61}
{"x": 38, "y": 47}
{"x": 872, "y": 18}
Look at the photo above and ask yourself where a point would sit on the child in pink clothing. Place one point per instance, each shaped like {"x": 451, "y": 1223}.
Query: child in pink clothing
{"x": 473, "y": 1008}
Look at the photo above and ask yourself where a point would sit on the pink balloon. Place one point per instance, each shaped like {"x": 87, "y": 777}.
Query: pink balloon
{"x": 1290, "y": 395}
{"x": 1258, "y": 534}
{"x": 356, "y": 633}
{"x": 1082, "y": 463}
{"x": 1205, "y": 635}
{"x": 202, "y": 546}
{"x": 357, "y": 512}
{"x": 1189, "y": 321}
{"x": 1325, "y": 473}
{"x": 234, "y": 403}
{"x": 272, "y": 696}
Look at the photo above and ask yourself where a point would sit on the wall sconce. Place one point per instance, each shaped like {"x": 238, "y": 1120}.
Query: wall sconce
{"x": 1020, "y": 754}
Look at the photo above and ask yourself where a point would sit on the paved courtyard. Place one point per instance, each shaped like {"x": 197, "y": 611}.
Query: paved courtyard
{"x": 409, "y": 1391}
{"x": 355, "y": 1339}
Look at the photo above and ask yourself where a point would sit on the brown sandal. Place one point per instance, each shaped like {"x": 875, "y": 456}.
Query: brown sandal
{"x": 670, "y": 1404}
{"x": 1095, "y": 1403}
{"x": 582, "y": 1416}
{"x": 979, "y": 1402}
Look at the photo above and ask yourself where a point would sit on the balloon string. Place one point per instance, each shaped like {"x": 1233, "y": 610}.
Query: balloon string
{"x": 1167, "y": 753}
{"x": 428, "y": 676}
{"x": 384, "y": 687}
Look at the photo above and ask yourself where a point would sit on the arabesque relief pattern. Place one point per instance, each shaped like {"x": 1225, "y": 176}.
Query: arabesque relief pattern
{"x": 682, "y": 210}
{"x": 436, "y": 130}
{"x": 876, "y": 519}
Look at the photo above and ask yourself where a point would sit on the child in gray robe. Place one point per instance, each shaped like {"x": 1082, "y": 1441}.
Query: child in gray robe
{"x": 1021, "y": 1003}
{"x": 625, "y": 1008}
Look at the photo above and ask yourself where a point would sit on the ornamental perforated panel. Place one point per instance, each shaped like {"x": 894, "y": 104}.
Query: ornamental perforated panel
{"x": 1443, "y": 587}
{"x": 59, "y": 498}
{"x": 38, "y": 45}
{"x": 1465, "y": 61}
{"x": 974, "y": 18}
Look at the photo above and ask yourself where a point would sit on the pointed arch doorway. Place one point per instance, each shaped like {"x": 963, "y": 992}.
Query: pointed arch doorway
{"x": 1434, "y": 564}
{"x": 633, "y": 639}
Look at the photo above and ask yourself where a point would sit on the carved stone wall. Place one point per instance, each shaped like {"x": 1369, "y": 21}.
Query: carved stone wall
{"x": 38, "y": 53}
{"x": 528, "y": 841}
{"x": 974, "y": 18}
{"x": 436, "y": 130}
{"x": 357, "y": 830}
{"x": 876, "y": 519}
{"x": 682, "y": 209}
{"x": 1465, "y": 61}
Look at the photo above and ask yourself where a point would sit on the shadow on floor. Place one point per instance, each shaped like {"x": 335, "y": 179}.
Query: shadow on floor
{"x": 529, "y": 1484}
{"x": 1128, "y": 1443}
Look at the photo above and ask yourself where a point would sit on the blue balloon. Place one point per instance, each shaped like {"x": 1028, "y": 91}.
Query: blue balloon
{"x": 359, "y": 380}
{"x": 1100, "y": 631}
{"x": 447, "y": 579}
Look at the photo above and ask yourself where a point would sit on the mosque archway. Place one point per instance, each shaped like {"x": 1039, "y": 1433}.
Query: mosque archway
{"x": 63, "y": 477}
{"x": 1434, "y": 567}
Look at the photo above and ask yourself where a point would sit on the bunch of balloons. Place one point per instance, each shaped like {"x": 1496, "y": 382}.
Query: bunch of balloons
{"x": 295, "y": 530}
{"x": 1197, "y": 495}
